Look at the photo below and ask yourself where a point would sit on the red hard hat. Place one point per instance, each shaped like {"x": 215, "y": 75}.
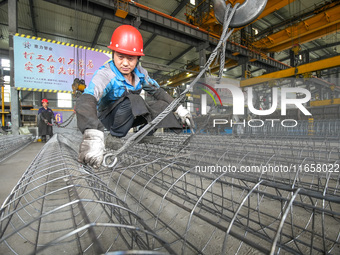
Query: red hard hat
{"x": 127, "y": 40}
{"x": 44, "y": 101}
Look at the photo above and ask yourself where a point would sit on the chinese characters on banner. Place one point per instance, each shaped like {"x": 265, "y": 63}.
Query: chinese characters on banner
{"x": 45, "y": 65}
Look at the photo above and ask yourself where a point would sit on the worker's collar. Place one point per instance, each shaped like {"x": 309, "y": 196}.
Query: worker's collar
{"x": 120, "y": 76}
{"x": 138, "y": 73}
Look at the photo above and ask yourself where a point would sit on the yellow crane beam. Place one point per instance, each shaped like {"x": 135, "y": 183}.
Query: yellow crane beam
{"x": 272, "y": 6}
{"x": 319, "y": 25}
{"x": 326, "y": 102}
{"x": 184, "y": 76}
{"x": 306, "y": 68}
{"x": 209, "y": 22}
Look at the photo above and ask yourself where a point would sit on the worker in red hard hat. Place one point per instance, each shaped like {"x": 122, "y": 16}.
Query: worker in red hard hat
{"x": 45, "y": 118}
{"x": 112, "y": 99}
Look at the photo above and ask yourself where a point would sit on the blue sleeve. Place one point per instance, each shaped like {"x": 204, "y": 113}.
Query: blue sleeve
{"x": 99, "y": 81}
{"x": 150, "y": 85}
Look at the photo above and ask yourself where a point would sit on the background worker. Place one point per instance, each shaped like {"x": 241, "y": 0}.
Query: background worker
{"x": 113, "y": 99}
{"x": 45, "y": 120}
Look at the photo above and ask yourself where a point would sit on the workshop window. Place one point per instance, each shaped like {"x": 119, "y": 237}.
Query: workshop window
{"x": 64, "y": 100}
{"x": 5, "y": 64}
{"x": 7, "y": 92}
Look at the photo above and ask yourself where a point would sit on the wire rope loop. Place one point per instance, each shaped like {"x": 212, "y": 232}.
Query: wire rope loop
{"x": 106, "y": 157}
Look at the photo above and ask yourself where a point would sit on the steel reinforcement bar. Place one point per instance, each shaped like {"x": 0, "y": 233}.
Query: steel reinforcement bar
{"x": 203, "y": 194}
{"x": 10, "y": 144}
{"x": 60, "y": 206}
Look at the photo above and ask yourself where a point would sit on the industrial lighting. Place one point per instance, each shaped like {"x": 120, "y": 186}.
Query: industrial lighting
{"x": 188, "y": 73}
{"x": 256, "y": 31}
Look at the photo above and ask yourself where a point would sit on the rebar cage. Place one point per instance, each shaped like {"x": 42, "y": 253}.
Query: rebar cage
{"x": 10, "y": 144}
{"x": 203, "y": 194}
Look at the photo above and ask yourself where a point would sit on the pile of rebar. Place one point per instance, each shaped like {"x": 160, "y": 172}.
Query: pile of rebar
{"x": 217, "y": 124}
{"x": 59, "y": 206}
{"x": 204, "y": 197}
{"x": 10, "y": 144}
{"x": 309, "y": 128}
{"x": 184, "y": 195}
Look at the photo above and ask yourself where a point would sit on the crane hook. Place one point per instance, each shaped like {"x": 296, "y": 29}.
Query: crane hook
{"x": 244, "y": 15}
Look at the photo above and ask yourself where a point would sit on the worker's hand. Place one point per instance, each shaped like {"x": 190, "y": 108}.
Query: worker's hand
{"x": 185, "y": 115}
{"x": 91, "y": 150}
{"x": 46, "y": 121}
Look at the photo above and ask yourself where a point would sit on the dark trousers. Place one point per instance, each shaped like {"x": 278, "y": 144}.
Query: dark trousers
{"x": 120, "y": 119}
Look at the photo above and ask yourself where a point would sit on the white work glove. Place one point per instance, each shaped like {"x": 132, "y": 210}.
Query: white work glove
{"x": 91, "y": 150}
{"x": 185, "y": 115}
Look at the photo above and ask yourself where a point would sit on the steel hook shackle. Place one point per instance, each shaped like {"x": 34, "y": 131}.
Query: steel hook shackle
{"x": 244, "y": 15}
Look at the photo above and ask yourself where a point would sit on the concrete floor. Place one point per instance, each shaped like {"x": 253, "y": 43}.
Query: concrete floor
{"x": 13, "y": 167}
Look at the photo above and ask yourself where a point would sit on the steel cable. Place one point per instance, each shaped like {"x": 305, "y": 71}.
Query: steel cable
{"x": 151, "y": 125}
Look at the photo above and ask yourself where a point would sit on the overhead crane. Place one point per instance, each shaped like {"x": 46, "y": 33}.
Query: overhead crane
{"x": 329, "y": 12}
{"x": 208, "y": 21}
{"x": 324, "y": 22}
{"x": 300, "y": 70}
{"x": 186, "y": 76}
{"x": 293, "y": 71}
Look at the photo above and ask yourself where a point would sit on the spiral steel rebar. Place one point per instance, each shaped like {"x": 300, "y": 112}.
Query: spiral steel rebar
{"x": 10, "y": 144}
{"x": 213, "y": 195}
{"x": 61, "y": 206}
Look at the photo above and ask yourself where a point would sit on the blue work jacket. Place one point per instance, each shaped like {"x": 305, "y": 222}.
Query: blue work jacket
{"x": 108, "y": 84}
